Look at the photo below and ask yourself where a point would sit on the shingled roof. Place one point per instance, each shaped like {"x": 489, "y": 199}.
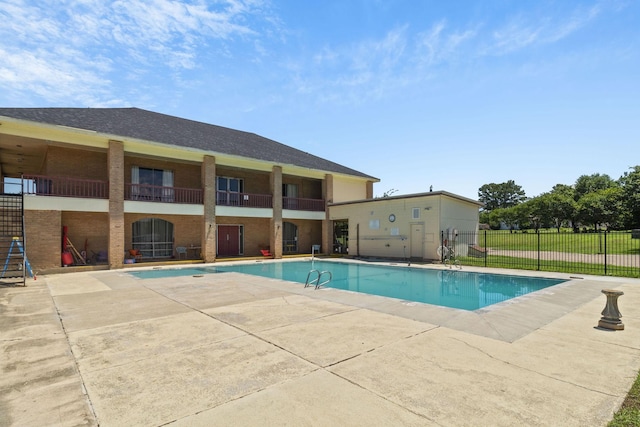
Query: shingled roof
{"x": 161, "y": 128}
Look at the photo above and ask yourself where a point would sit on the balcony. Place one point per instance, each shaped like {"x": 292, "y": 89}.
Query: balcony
{"x": 90, "y": 188}
{"x": 156, "y": 193}
{"x": 247, "y": 200}
{"x": 65, "y": 187}
{"x": 244, "y": 200}
{"x": 299, "y": 204}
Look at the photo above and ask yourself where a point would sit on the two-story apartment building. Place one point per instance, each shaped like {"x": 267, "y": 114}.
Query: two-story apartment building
{"x": 112, "y": 180}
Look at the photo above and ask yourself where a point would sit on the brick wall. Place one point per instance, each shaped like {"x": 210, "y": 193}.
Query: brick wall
{"x": 208, "y": 226}
{"x": 43, "y": 231}
{"x": 83, "y": 164}
{"x": 275, "y": 224}
{"x": 115, "y": 160}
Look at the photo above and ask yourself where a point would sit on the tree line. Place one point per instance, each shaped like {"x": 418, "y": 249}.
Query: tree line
{"x": 593, "y": 202}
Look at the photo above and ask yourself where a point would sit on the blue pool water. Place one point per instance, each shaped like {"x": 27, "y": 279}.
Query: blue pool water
{"x": 448, "y": 288}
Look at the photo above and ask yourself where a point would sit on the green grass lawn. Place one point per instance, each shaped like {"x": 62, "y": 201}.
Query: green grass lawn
{"x": 616, "y": 242}
{"x": 629, "y": 413}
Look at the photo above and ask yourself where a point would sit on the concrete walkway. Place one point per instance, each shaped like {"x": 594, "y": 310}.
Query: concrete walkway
{"x": 104, "y": 348}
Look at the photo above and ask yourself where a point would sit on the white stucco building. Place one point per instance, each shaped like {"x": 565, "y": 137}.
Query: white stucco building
{"x": 406, "y": 226}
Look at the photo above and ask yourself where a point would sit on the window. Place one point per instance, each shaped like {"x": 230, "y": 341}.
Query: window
{"x": 290, "y": 196}
{"x": 153, "y": 237}
{"x": 290, "y": 190}
{"x": 229, "y": 190}
{"x": 416, "y": 213}
{"x": 289, "y": 237}
{"x": 152, "y": 184}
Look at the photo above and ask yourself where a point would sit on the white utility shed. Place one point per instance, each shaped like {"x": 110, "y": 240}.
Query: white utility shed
{"x": 406, "y": 226}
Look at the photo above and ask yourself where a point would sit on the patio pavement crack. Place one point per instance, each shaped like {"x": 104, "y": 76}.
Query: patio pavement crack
{"x": 533, "y": 371}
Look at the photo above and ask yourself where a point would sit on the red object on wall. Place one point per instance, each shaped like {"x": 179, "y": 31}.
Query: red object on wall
{"x": 64, "y": 238}
{"x": 67, "y": 259}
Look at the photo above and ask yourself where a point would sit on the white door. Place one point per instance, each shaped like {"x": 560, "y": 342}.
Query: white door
{"x": 417, "y": 241}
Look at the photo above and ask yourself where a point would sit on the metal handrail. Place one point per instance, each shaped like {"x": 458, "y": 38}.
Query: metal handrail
{"x": 319, "y": 285}
{"x": 316, "y": 282}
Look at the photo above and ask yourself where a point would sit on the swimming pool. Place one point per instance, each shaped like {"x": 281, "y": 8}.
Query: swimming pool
{"x": 448, "y": 288}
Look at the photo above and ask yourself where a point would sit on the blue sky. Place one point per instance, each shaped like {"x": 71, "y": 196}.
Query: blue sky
{"x": 416, "y": 92}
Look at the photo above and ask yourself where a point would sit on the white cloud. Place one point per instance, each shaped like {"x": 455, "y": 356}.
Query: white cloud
{"x": 47, "y": 76}
{"x": 408, "y": 57}
{"x": 76, "y": 44}
{"x": 84, "y": 46}
{"x": 354, "y": 73}
{"x": 429, "y": 44}
{"x": 524, "y": 31}
{"x": 579, "y": 19}
{"x": 435, "y": 46}
{"x": 373, "y": 68}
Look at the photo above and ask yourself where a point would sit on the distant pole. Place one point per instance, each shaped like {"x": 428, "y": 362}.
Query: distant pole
{"x": 486, "y": 253}
{"x": 538, "y": 251}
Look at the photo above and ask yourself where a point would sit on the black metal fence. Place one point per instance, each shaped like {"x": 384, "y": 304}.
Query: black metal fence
{"x": 614, "y": 253}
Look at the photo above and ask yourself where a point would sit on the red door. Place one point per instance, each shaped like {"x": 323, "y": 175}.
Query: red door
{"x": 228, "y": 240}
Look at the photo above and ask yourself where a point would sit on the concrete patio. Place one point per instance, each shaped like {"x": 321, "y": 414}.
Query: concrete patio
{"x": 104, "y": 348}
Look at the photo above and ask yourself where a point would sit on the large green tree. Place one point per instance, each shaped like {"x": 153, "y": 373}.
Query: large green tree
{"x": 586, "y": 184}
{"x": 507, "y": 216}
{"x": 563, "y": 205}
{"x": 501, "y": 196}
{"x": 563, "y": 190}
{"x": 601, "y": 207}
{"x": 562, "y": 209}
{"x": 593, "y": 200}
{"x": 630, "y": 183}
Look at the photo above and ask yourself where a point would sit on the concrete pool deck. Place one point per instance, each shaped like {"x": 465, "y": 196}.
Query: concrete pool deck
{"x": 104, "y": 348}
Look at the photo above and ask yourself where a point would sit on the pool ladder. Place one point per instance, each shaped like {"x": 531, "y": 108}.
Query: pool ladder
{"x": 317, "y": 280}
{"x": 452, "y": 263}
